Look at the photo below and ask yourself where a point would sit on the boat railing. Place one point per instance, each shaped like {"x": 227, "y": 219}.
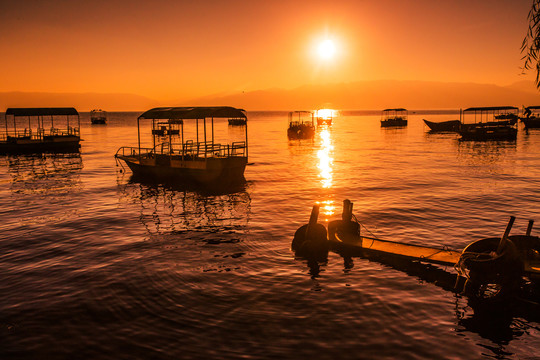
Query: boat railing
{"x": 300, "y": 123}
{"x": 38, "y": 134}
{"x": 207, "y": 149}
{"x": 133, "y": 151}
{"x": 70, "y": 131}
{"x": 18, "y": 134}
{"x": 199, "y": 150}
{"x": 395, "y": 117}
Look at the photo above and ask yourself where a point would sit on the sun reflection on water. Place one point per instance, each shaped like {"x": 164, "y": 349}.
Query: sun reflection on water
{"x": 325, "y": 170}
{"x": 327, "y": 207}
{"x": 325, "y": 159}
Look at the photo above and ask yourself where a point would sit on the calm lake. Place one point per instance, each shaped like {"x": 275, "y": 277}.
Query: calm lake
{"x": 94, "y": 265}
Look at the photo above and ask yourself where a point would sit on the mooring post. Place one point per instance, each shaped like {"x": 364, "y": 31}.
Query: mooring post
{"x": 346, "y": 214}
{"x": 504, "y": 238}
{"x": 529, "y": 228}
{"x": 314, "y": 216}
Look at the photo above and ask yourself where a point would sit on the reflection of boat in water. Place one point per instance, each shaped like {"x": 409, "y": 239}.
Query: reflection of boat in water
{"x": 176, "y": 158}
{"x": 39, "y": 173}
{"x": 301, "y": 125}
{"x": 443, "y": 126}
{"x": 394, "y": 117}
{"x": 169, "y": 209}
{"x": 531, "y": 118}
{"x": 38, "y": 130}
{"x": 490, "y": 123}
{"x": 486, "y": 154}
{"x": 98, "y": 117}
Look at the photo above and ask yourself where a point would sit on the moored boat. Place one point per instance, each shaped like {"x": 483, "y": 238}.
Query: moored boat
{"x": 443, "y": 126}
{"x": 237, "y": 121}
{"x": 301, "y": 125}
{"x": 37, "y": 130}
{"x": 178, "y": 158}
{"x": 394, "y": 117}
{"x": 98, "y": 117}
{"x": 531, "y": 117}
{"x": 489, "y": 123}
{"x": 486, "y": 269}
{"x": 324, "y": 117}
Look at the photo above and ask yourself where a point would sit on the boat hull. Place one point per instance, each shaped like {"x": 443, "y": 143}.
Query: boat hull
{"x": 352, "y": 244}
{"x": 483, "y": 133}
{"x": 221, "y": 171}
{"x": 393, "y": 123}
{"x": 300, "y": 132}
{"x": 375, "y": 247}
{"x": 50, "y": 144}
{"x": 323, "y": 122}
{"x": 531, "y": 123}
{"x": 444, "y": 126}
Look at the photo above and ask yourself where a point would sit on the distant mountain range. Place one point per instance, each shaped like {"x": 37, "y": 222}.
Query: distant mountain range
{"x": 347, "y": 96}
{"x": 383, "y": 94}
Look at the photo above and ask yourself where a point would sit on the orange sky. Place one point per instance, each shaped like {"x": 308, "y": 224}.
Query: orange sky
{"x": 173, "y": 50}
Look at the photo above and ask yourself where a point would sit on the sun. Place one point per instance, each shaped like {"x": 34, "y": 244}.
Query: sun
{"x": 326, "y": 49}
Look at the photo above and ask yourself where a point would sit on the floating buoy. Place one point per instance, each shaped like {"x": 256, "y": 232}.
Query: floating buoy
{"x": 310, "y": 241}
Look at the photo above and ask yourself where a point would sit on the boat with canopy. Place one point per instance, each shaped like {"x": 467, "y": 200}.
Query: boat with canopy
{"x": 185, "y": 147}
{"x": 301, "y": 125}
{"x": 531, "y": 118}
{"x": 37, "y": 130}
{"x": 489, "y": 123}
{"x": 394, "y": 117}
{"x": 98, "y": 117}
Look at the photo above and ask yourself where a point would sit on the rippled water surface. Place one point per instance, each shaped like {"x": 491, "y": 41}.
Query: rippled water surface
{"x": 94, "y": 265}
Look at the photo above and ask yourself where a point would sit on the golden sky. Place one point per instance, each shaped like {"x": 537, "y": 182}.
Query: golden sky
{"x": 171, "y": 50}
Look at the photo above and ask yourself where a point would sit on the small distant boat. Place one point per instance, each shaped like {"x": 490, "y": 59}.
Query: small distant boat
{"x": 394, "y": 117}
{"x": 490, "y": 123}
{"x": 38, "y": 130}
{"x": 238, "y": 121}
{"x": 443, "y": 126}
{"x": 531, "y": 118}
{"x": 324, "y": 117}
{"x": 301, "y": 125}
{"x": 98, "y": 116}
{"x": 176, "y": 157}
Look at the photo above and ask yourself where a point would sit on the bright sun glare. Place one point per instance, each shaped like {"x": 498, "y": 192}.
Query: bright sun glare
{"x": 327, "y": 49}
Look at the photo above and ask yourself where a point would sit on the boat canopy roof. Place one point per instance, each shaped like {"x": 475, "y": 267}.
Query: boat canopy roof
{"x": 397, "y": 109}
{"x": 491, "y": 108}
{"x": 41, "y": 111}
{"x": 199, "y": 112}
{"x": 533, "y": 107}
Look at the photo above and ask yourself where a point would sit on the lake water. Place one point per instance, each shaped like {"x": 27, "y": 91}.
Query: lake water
{"x": 94, "y": 265}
